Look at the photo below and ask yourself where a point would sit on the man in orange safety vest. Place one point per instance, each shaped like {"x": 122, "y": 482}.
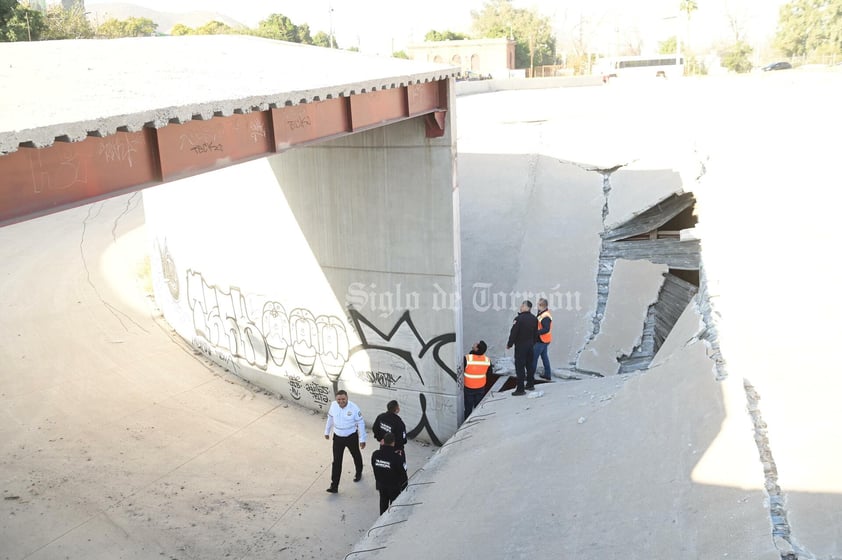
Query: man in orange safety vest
{"x": 545, "y": 336}
{"x": 475, "y": 366}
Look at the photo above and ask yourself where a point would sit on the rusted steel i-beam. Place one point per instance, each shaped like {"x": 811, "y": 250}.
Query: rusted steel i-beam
{"x": 39, "y": 181}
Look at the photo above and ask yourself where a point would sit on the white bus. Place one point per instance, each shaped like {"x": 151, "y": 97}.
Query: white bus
{"x": 658, "y": 66}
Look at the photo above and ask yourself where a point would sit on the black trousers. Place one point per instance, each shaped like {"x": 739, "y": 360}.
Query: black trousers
{"x": 352, "y": 442}
{"x": 523, "y": 366}
{"x": 387, "y": 496}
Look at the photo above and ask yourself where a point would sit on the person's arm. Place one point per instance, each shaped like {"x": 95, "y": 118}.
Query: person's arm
{"x": 490, "y": 368}
{"x": 544, "y": 327}
{"x": 329, "y": 423}
{"x": 376, "y": 430}
{"x": 361, "y": 428}
{"x": 401, "y": 472}
{"x": 513, "y": 334}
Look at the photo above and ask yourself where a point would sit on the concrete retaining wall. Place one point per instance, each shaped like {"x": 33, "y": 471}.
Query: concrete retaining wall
{"x": 322, "y": 268}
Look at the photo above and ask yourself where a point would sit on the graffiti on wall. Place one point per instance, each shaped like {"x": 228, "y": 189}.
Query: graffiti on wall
{"x": 311, "y": 351}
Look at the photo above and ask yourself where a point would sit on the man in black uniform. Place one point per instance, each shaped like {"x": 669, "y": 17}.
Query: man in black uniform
{"x": 522, "y": 336}
{"x": 390, "y": 423}
{"x": 389, "y": 472}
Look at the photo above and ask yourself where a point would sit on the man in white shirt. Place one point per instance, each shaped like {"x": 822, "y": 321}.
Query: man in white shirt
{"x": 346, "y": 420}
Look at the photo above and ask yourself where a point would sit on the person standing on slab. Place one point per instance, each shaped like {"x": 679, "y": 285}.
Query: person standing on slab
{"x": 522, "y": 336}
{"x": 476, "y": 366}
{"x": 545, "y": 336}
{"x": 346, "y": 420}
{"x": 389, "y": 472}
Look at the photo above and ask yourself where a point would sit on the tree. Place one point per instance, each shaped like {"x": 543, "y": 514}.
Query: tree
{"x": 179, "y": 29}
{"x": 808, "y": 27}
{"x": 213, "y": 28}
{"x": 737, "y": 58}
{"x": 433, "y": 35}
{"x": 302, "y": 34}
{"x": 19, "y": 22}
{"x": 667, "y": 46}
{"x": 535, "y": 42}
{"x": 400, "y": 54}
{"x": 278, "y": 27}
{"x": 322, "y": 39}
{"x": 132, "y": 27}
{"x": 67, "y": 24}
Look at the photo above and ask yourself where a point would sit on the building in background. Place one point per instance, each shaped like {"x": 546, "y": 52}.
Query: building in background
{"x": 484, "y": 57}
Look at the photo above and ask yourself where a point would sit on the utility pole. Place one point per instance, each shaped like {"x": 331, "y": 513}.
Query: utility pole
{"x": 330, "y": 20}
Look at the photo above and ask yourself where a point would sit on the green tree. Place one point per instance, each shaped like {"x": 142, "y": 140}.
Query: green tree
{"x": 19, "y": 22}
{"x": 535, "y": 42}
{"x": 400, "y": 54}
{"x": 737, "y": 57}
{"x": 808, "y": 27}
{"x": 322, "y": 39}
{"x": 433, "y": 35}
{"x": 179, "y": 29}
{"x": 302, "y": 34}
{"x": 667, "y": 46}
{"x": 278, "y": 27}
{"x": 214, "y": 28}
{"x": 132, "y": 27}
{"x": 67, "y": 24}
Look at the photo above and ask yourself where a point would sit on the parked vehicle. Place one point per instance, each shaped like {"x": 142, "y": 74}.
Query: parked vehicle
{"x": 782, "y": 65}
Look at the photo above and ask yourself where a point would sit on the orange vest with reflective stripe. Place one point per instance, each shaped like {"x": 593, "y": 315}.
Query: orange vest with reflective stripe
{"x": 547, "y": 337}
{"x": 475, "y": 368}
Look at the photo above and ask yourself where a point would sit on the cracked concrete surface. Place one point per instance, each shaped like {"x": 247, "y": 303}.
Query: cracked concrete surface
{"x": 662, "y": 464}
{"x": 766, "y": 215}
{"x": 633, "y": 288}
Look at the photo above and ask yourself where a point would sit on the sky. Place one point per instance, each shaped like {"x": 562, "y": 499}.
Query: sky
{"x": 383, "y": 26}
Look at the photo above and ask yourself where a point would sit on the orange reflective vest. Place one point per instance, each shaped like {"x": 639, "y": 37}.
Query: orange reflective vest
{"x": 547, "y": 337}
{"x": 475, "y": 368}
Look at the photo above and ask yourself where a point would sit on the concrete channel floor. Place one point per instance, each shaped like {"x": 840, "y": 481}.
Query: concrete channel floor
{"x": 116, "y": 441}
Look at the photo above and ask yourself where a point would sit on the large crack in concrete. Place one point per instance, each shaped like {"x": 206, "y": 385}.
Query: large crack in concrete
{"x": 605, "y": 268}
{"x": 781, "y": 530}
{"x": 98, "y": 207}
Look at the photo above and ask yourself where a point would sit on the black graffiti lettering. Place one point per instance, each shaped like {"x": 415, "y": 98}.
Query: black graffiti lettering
{"x": 318, "y": 392}
{"x": 299, "y": 122}
{"x": 294, "y": 387}
{"x": 224, "y": 359}
{"x": 381, "y": 378}
{"x": 206, "y": 147}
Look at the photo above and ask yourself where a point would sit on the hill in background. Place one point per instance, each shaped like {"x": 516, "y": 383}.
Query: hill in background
{"x": 99, "y": 13}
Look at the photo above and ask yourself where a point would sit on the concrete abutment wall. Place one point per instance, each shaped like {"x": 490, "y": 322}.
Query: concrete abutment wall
{"x": 325, "y": 267}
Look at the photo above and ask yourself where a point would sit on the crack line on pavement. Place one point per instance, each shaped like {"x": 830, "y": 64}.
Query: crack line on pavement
{"x": 112, "y": 309}
{"x": 125, "y": 212}
{"x": 781, "y": 530}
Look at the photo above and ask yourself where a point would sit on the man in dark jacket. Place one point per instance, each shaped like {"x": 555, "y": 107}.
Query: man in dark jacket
{"x": 522, "y": 337}
{"x": 389, "y": 472}
{"x": 390, "y": 423}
